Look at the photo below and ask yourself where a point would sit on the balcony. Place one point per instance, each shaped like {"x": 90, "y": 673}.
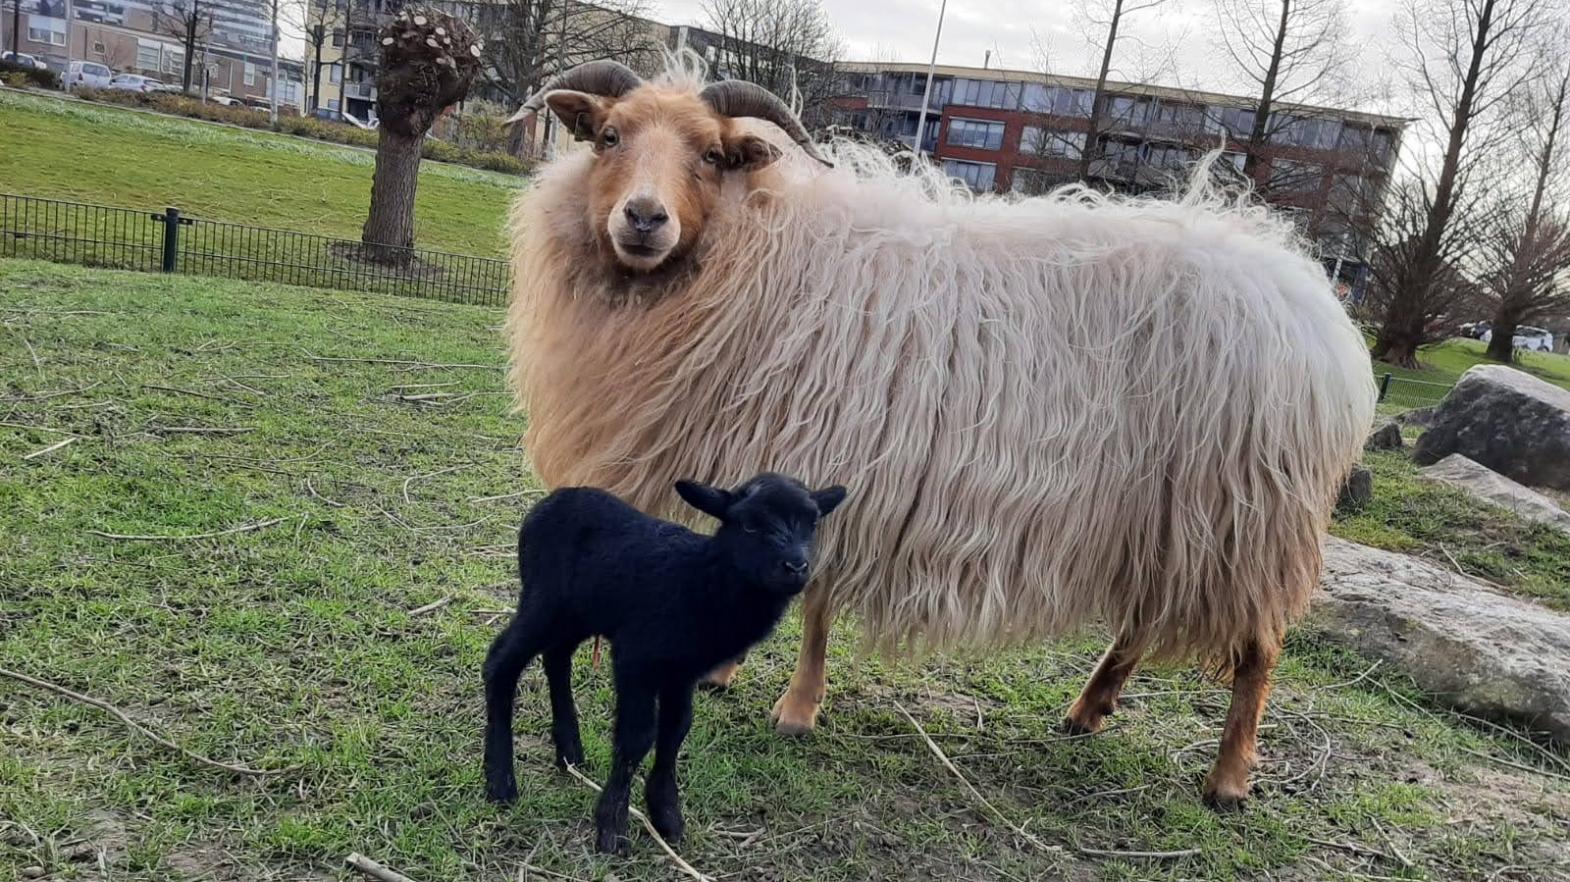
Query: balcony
{"x": 363, "y": 91}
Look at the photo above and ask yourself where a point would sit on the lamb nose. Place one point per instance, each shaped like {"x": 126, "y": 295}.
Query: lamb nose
{"x": 796, "y": 567}
{"x": 645, "y": 215}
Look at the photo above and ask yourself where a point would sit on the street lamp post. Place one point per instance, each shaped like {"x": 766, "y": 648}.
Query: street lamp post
{"x": 926, "y": 94}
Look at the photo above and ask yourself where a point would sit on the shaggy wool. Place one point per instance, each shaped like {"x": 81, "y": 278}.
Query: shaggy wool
{"x": 1049, "y": 411}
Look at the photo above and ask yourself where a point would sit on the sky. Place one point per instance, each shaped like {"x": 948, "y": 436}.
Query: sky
{"x": 902, "y": 30}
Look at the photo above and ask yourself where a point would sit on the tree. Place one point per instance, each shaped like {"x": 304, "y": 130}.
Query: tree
{"x": 189, "y": 20}
{"x": 786, "y": 46}
{"x": 529, "y": 41}
{"x": 1286, "y": 51}
{"x": 321, "y": 18}
{"x": 1465, "y": 57}
{"x": 1109, "y": 17}
{"x": 1531, "y": 250}
{"x": 429, "y": 59}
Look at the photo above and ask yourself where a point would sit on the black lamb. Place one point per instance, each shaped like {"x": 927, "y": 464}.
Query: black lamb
{"x": 673, "y": 604}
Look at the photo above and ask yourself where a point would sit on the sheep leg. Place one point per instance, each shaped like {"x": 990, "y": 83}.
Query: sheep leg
{"x": 796, "y": 713}
{"x": 1227, "y": 786}
{"x": 1100, "y": 696}
{"x": 724, "y": 675}
{"x": 564, "y": 714}
{"x": 510, "y": 653}
{"x": 634, "y": 736}
{"x": 661, "y": 793}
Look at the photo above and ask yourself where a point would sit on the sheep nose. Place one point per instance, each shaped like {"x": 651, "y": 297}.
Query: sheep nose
{"x": 645, "y": 215}
{"x": 796, "y": 567}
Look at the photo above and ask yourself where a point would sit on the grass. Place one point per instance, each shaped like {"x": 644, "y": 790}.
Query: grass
{"x": 294, "y": 646}
{"x": 66, "y": 150}
{"x": 1444, "y": 363}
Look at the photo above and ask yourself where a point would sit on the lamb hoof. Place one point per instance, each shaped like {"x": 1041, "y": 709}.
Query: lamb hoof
{"x": 611, "y": 842}
{"x": 791, "y": 718}
{"x": 669, "y": 825}
{"x": 1226, "y": 799}
{"x": 502, "y": 792}
{"x": 721, "y": 678}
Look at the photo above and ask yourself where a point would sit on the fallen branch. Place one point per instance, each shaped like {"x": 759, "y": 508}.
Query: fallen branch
{"x": 1515, "y": 765}
{"x": 374, "y": 870}
{"x": 507, "y": 496}
{"x": 432, "y": 606}
{"x": 648, "y": 825}
{"x": 200, "y": 430}
{"x": 36, "y": 428}
{"x": 996, "y": 812}
{"x": 312, "y": 490}
{"x": 51, "y": 448}
{"x": 1146, "y": 855}
{"x": 197, "y": 394}
{"x": 189, "y": 536}
{"x": 418, "y": 364}
{"x": 138, "y": 727}
{"x": 412, "y": 478}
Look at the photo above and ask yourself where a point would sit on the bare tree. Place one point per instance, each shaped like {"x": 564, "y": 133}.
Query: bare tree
{"x": 1530, "y": 252}
{"x": 1285, "y": 51}
{"x": 1109, "y": 17}
{"x": 529, "y": 41}
{"x": 786, "y": 46}
{"x": 1465, "y": 57}
{"x": 191, "y": 21}
{"x": 317, "y": 20}
{"x": 429, "y": 60}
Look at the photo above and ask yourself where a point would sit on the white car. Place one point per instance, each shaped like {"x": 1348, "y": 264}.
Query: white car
{"x": 135, "y": 83}
{"x": 24, "y": 60}
{"x": 87, "y": 75}
{"x": 1528, "y": 338}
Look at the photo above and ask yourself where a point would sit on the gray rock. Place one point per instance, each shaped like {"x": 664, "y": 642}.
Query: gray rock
{"x": 1487, "y": 485}
{"x": 1356, "y": 490}
{"x": 1386, "y": 437}
{"x": 1509, "y": 421}
{"x": 1493, "y": 656}
{"x": 1417, "y": 416}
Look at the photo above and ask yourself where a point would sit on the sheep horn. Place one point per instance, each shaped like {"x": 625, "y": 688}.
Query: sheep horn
{"x": 611, "y": 79}
{"x": 737, "y": 98}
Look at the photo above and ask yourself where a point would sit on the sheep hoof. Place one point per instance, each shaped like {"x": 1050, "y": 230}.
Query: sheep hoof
{"x": 1073, "y": 726}
{"x": 502, "y": 792}
{"x": 721, "y": 677}
{"x": 611, "y": 842}
{"x": 1225, "y": 798}
{"x": 792, "y": 717}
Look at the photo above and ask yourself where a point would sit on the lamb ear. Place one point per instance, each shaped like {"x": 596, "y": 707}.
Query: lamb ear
{"x": 828, "y": 499}
{"x": 712, "y": 501}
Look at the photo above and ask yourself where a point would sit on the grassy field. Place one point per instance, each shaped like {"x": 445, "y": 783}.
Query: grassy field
{"x": 87, "y": 153}
{"x": 1444, "y": 363}
{"x": 367, "y": 443}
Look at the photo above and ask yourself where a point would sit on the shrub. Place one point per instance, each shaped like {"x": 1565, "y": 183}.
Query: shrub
{"x": 20, "y": 76}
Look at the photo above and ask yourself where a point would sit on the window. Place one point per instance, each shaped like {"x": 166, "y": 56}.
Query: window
{"x": 1352, "y": 194}
{"x": 332, "y": 103}
{"x": 250, "y": 74}
{"x": 1129, "y": 112}
{"x": 338, "y": 38}
{"x": 1031, "y": 182}
{"x": 979, "y": 176}
{"x": 980, "y": 134}
{"x": 1168, "y": 157}
{"x": 1236, "y": 159}
{"x": 1056, "y": 100}
{"x": 42, "y": 29}
{"x": 1304, "y": 131}
{"x": 1120, "y": 152}
{"x": 147, "y": 54}
{"x": 98, "y": 47}
{"x": 1188, "y": 117}
{"x": 1237, "y": 122}
{"x": 986, "y": 93}
{"x": 335, "y": 73}
{"x": 1045, "y": 142}
{"x": 1291, "y": 176}
{"x": 174, "y": 61}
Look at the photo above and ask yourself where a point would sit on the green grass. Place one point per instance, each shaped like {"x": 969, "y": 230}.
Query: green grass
{"x": 78, "y": 152}
{"x": 293, "y": 646}
{"x": 1444, "y": 363}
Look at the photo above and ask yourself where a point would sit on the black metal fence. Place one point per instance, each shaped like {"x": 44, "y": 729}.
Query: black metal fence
{"x": 1399, "y": 393}
{"x": 167, "y": 241}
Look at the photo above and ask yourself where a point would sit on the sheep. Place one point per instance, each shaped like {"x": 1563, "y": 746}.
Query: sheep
{"x": 673, "y": 604}
{"x": 1060, "y": 411}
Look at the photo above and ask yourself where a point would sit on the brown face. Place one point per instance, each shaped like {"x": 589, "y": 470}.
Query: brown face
{"x": 660, "y": 157}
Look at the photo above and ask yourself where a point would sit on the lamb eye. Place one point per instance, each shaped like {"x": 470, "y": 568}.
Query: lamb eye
{"x": 748, "y": 528}
{"x": 713, "y": 157}
{"x": 609, "y": 138}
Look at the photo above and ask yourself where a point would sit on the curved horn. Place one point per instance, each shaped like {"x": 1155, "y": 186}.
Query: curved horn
{"x": 737, "y": 98}
{"x": 610, "y": 79}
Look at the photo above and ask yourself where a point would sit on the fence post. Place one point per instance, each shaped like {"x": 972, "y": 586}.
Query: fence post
{"x": 1384, "y": 386}
{"x": 171, "y": 219}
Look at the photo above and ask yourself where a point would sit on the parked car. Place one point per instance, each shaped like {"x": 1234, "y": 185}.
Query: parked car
{"x": 135, "y": 83}
{"x": 87, "y": 75}
{"x": 1528, "y": 338}
{"x": 24, "y": 60}
{"x": 1475, "y": 330}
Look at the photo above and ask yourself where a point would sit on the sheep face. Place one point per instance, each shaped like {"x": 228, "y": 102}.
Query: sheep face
{"x": 768, "y": 526}
{"x": 660, "y": 158}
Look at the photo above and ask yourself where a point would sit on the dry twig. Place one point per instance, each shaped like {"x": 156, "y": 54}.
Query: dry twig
{"x": 412, "y": 478}
{"x": 51, "y": 448}
{"x": 374, "y": 870}
{"x": 1148, "y": 855}
{"x": 138, "y": 727}
{"x": 649, "y": 825}
{"x": 200, "y": 430}
{"x": 417, "y": 364}
{"x": 431, "y": 607}
{"x": 246, "y": 528}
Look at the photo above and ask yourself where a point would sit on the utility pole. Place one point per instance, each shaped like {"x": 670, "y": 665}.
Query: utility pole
{"x": 272, "y": 106}
{"x": 926, "y": 95}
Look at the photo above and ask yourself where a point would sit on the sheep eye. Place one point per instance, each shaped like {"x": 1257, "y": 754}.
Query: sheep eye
{"x": 609, "y": 138}
{"x": 713, "y": 157}
{"x": 748, "y": 528}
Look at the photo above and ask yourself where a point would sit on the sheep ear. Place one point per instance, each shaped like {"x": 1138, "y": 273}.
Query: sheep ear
{"x": 580, "y": 112}
{"x": 712, "y": 501}
{"x": 750, "y": 153}
{"x": 828, "y": 499}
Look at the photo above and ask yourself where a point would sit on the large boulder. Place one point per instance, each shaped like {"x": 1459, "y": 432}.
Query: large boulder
{"x": 1487, "y": 485}
{"x": 1386, "y": 437}
{"x": 1508, "y": 420}
{"x": 1484, "y": 653}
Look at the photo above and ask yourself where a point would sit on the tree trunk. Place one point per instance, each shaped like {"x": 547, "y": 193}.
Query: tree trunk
{"x": 191, "y": 25}
{"x": 391, "y": 221}
{"x": 1267, "y": 97}
{"x": 16, "y": 27}
{"x": 1098, "y": 99}
{"x": 1501, "y": 346}
{"x": 316, "y": 78}
{"x": 1397, "y": 344}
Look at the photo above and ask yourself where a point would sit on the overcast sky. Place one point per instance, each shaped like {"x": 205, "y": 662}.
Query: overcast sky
{"x": 902, "y": 30}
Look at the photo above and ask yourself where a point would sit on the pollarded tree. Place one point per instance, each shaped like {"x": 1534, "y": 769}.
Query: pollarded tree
{"x": 429, "y": 59}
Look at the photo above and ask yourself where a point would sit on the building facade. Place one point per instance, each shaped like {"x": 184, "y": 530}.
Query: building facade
{"x": 233, "y": 44}
{"x": 1025, "y": 132}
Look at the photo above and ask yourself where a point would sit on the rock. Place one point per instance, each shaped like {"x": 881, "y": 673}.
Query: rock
{"x": 1417, "y": 416}
{"x": 1509, "y": 421}
{"x": 1489, "y": 486}
{"x": 1484, "y": 653}
{"x": 33, "y": 872}
{"x": 1356, "y": 490}
{"x": 1386, "y": 437}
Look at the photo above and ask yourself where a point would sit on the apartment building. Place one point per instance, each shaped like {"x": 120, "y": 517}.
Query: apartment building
{"x": 233, "y": 46}
{"x": 1021, "y": 131}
